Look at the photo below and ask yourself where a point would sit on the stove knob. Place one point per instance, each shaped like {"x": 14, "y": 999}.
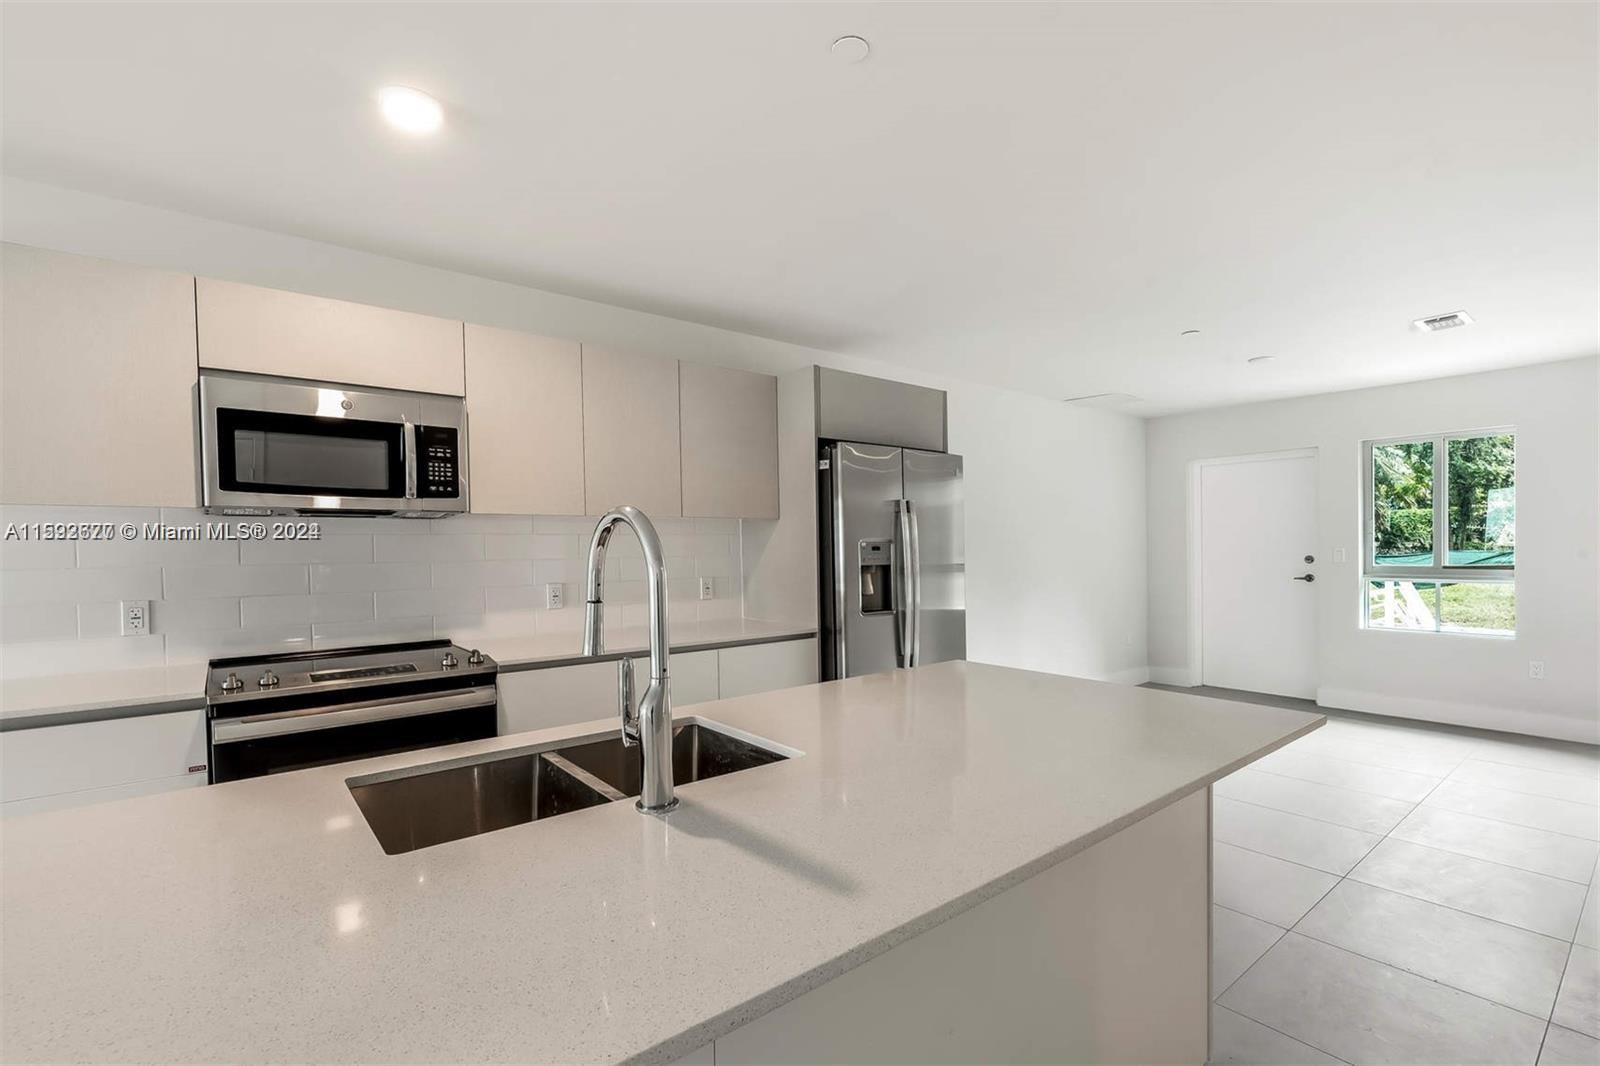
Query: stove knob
{"x": 449, "y": 662}
{"x": 475, "y": 657}
{"x": 231, "y": 683}
{"x": 268, "y": 679}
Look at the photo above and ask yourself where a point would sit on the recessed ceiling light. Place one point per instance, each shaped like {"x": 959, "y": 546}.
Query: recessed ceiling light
{"x": 410, "y": 110}
{"x": 1257, "y": 359}
{"x": 851, "y": 49}
{"x": 1190, "y": 333}
{"x": 1435, "y": 323}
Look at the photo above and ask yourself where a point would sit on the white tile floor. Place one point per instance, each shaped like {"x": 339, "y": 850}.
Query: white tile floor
{"x": 1395, "y": 892}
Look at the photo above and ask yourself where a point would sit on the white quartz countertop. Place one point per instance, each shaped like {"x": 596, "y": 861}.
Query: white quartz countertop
{"x": 178, "y": 686}
{"x": 260, "y": 920}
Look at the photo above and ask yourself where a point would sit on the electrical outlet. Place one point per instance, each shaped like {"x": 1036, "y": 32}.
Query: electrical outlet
{"x": 707, "y": 588}
{"x": 553, "y": 596}
{"x": 135, "y": 618}
{"x": 1536, "y": 669}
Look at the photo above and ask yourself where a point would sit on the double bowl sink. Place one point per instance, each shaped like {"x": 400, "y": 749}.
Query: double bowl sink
{"x": 435, "y": 803}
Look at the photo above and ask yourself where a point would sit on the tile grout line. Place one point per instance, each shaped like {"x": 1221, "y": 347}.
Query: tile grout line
{"x": 1280, "y": 1032}
{"x": 1324, "y": 821}
{"x": 1346, "y": 788}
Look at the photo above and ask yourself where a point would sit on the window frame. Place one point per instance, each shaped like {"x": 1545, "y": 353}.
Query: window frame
{"x": 1441, "y": 572}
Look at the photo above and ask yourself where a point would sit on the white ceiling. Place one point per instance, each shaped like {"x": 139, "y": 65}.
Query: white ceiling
{"x": 1032, "y": 195}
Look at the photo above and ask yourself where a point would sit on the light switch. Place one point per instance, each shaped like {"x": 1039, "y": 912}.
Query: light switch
{"x": 1338, "y": 555}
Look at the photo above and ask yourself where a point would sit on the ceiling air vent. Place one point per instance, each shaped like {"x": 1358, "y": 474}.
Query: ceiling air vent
{"x": 1439, "y": 322}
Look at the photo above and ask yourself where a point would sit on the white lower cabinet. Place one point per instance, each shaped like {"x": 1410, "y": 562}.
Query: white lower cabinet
{"x": 88, "y": 762}
{"x": 566, "y": 695}
{"x": 764, "y": 667}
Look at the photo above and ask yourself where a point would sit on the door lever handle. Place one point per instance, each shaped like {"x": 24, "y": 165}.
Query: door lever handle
{"x": 1307, "y": 578}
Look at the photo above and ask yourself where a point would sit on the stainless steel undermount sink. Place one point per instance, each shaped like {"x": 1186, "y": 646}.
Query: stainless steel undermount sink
{"x": 435, "y": 803}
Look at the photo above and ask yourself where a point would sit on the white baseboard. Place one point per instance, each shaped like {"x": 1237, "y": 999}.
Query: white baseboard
{"x": 1173, "y": 675}
{"x": 1474, "y": 715}
{"x": 1136, "y": 676}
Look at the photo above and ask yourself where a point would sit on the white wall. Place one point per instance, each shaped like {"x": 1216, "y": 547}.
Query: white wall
{"x": 1055, "y": 508}
{"x": 1465, "y": 679}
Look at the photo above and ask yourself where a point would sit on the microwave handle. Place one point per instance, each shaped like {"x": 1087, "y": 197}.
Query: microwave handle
{"x": 410, "y": 433}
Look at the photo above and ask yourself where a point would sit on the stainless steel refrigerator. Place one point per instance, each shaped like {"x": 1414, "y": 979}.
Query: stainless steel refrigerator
{"x": 893, "y": 558}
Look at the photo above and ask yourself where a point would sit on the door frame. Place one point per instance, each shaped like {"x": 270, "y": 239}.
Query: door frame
{"x": 1196, "y": 538}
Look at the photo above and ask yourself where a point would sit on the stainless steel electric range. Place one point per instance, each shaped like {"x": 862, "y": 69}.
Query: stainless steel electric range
{"x": 270, "y": 714}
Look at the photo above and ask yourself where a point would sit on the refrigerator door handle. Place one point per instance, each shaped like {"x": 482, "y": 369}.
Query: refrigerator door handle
{"x": 903, "y": 613}
{"x": 914, "y": 568}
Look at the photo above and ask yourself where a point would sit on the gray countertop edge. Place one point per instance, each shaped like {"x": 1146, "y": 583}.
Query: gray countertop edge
{"x": 697, "y": 1036}
{"x": 111, "y": 711}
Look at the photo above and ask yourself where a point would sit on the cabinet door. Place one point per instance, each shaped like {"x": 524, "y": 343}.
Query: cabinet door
{"x": 97, "y": 382}
{"x": 630, "y": 433}
{"x": 557, "y": 695}
{"x": 764, "y": 667}
{"x": 67, "y": 759}
{"x": 268, "y": 331}
{"x": 525, "y": 421}
{"x": 566, "y": 695}
{"x": 729, "y": 426}
{"x": 694, "y": 677}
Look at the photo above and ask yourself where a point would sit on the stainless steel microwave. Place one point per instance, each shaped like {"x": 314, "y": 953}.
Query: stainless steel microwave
{"x": 280, "y": 446}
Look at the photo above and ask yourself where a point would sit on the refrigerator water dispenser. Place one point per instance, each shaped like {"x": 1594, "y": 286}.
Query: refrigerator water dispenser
{"x": 877, "y": 576}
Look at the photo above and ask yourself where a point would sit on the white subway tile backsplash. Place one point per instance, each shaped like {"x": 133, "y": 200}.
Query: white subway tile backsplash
{"x": 412, "y": 603}
{"x": 97, "y": 620}
{"x": 399, "y": 548}
{"x": 516, "y": 598}
{"x": 43, "y": 658}
{"x": 197, "y": 647}
{"x": 37, "y": 554}
{"x": 364, "y": 580}
{"x": 19, "y": 587}
{"x": 40, "y": 621}
{"x": 304, "y": 610}
{"x": 194, "y": 616}
{"x": 329, "y": 548}
{"x": 382, "y": 631}
{"x": 484, "y": 523}
{"x": 368, "y": 577}
{"x": 209, "y": 582}
{"x": 499, "y": 572}
{"x": 141, "y": 551}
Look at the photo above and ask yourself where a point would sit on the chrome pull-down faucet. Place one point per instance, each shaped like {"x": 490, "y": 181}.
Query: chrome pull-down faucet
{"x": 649, "y": 724}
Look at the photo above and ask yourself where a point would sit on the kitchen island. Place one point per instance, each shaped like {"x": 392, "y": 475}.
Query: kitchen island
{"x": 798, "y": 910}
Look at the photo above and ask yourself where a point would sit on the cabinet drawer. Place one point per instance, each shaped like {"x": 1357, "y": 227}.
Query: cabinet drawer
{"x": 92, "y": 755}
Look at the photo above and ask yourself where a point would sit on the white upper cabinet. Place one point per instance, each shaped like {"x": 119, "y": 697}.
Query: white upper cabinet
{"x": 97, "y": 382}
{"x": 268, "y": 331}
{"x": 729, "y": 425}
{"x": 630, "y": 433}
{"x": 525, "y": 422}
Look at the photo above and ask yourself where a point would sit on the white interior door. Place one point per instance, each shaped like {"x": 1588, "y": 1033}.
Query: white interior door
{"x": 1258, "y": 619}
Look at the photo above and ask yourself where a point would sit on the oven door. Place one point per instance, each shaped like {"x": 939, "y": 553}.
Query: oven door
{"x": 275, "y": 743}
{"x": 273, "y": 445}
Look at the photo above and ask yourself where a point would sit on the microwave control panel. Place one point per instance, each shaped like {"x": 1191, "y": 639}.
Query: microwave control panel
{"x": 438, "y": 462}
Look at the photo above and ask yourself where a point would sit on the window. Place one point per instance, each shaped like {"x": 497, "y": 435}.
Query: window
{"x": 1441, "y": 533}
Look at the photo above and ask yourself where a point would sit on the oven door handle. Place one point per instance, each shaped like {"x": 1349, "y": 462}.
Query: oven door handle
{"x": 233, "y": 730}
